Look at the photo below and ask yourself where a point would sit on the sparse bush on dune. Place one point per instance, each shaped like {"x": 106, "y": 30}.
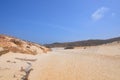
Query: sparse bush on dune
{"x": 118, "y": 41}
{"x": 85, "y": 47}
{"x": 4, "y": 51}
{"x": 69, "y": 47}
{"x": 19, "y": 50}
{"x": 27, "y": 46}
{"x": 12, "y": 49}
{"x": 17, "y": 42}
{"x": 31, "y": 52}
{"x": 21, "y": 46}
{"x": 44, "y": 49}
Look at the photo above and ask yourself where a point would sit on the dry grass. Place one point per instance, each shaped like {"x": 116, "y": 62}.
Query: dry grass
{"x": 21, "y": 46}
{"x": 18, "y": 50}
{"x": 4, "y": 51}
{"x": 17, "y": 42}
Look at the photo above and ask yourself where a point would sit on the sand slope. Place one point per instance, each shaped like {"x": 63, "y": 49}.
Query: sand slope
{"x": 12, "y": 44}
{"x": 92, "y": 63}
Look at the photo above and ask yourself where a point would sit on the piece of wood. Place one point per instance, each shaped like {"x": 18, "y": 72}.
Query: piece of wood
{"x": 24, "y": 59}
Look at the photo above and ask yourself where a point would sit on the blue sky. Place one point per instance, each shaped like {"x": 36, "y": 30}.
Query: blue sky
{"x": 47, "y": 21}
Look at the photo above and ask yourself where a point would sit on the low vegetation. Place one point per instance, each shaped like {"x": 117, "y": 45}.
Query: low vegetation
{"x": 69, "y": 47}
{"x": 20, "y": 46}
{"x": 17, "y": 42}
{"x": 4, "y": 51}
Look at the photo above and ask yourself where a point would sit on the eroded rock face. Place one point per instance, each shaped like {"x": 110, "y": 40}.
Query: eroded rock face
{"x": 13, "y": 44}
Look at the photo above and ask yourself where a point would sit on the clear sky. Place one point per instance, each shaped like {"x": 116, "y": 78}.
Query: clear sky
{"x": 47, "y": 21}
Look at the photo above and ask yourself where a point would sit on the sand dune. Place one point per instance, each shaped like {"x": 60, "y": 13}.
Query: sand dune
{"x": 93, "y": 63}
{"x": 12, "y": 44}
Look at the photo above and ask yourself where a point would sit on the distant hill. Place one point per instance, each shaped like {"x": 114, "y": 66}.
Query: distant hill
{"x": 83, "y": 43}
{"x": 12, "y": 44}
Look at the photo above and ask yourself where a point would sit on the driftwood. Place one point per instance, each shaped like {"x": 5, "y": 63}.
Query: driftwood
{"x": 25, "y": 77}
{"x": 27, "y": 72}
{"x": 24, "y": 59}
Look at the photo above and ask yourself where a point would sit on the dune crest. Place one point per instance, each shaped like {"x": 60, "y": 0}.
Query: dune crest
{"x": 12, "y": 44}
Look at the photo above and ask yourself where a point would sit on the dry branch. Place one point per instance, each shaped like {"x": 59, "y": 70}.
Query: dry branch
{"x": 24, "y": 59}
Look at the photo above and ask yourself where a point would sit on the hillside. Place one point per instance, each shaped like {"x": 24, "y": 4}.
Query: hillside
{"x": 84, "y": 43}
{"x": 12, "y": 44}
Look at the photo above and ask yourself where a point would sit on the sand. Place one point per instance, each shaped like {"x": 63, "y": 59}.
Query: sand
{"x": 92, "y": 63}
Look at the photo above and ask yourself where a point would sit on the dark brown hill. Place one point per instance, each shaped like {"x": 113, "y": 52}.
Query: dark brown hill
{"x": 83, "y": 43}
